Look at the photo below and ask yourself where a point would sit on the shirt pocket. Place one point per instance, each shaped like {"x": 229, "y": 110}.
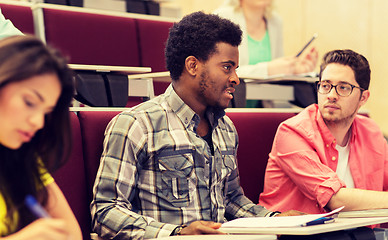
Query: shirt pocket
{"x": 175, "y": 170}
{"x": 229, "y": 165}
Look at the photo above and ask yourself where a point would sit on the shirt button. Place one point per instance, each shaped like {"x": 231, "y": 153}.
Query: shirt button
{"x": 207, "y": 161}
{"x": 333, "y": 158}
{"x": 186, "y": 121}
{"x": 327, "y": 145}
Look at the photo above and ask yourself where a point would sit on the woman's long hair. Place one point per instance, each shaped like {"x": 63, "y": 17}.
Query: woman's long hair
{"x": 23, "y": 57}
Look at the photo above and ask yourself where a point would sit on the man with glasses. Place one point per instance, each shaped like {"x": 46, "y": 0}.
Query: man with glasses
{"x": 328, "y": 156}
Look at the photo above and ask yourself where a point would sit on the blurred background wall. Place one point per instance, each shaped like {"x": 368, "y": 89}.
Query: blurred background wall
{"x": 356, "y": 24}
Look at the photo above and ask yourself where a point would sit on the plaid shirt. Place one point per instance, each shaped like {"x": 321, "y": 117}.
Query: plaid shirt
{"x": 156, "y": 172}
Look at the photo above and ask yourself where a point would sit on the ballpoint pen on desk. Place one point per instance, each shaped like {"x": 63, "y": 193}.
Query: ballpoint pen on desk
{"x": 318, "y": 221}
{"x": 307, "y": 44}
{"x": 35, "y": 207}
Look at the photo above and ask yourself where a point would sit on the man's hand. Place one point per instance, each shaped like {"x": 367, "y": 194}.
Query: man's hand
{"x": 202, "y": 227}
{"x": 290, "y": 213}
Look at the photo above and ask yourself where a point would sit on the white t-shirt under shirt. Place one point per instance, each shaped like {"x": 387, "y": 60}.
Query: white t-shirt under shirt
{"x": 343, "y": 169}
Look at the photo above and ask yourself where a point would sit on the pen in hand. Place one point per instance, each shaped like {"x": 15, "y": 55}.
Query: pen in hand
{"x": 307, "y": 44}
{"x": 35, "y": 207}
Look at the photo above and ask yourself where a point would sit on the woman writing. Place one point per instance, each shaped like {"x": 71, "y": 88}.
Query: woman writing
{"x": 36, "y": 89}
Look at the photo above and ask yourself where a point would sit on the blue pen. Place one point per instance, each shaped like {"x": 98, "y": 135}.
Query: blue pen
{"x": 307, "y": 44}
{"x": 35, "y": 207}
{"x": 318, "y": 221}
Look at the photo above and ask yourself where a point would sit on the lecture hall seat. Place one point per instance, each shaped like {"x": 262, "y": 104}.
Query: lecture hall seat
{"x": 152, "y": 40}
{"x": 92, "y": 38}
{"x": 256, "y": 132}
{"x": 20, "y": 15}
{"x": 71, "y": 179}
{"x": 93, "y": 125}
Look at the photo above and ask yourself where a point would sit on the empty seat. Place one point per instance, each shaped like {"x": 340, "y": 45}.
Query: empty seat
{"x": 93, "y": 125}
{"x": 91, "y": 38}
{"x": 256, "y": 131}
{"x": 20, "y": 15}
{"x": 152, "y": 40}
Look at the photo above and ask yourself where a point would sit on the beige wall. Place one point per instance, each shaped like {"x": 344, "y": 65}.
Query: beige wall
{"x": 355, "y": 24}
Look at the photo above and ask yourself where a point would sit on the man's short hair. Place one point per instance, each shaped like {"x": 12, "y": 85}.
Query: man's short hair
{"x": 197, "y": 35}
{"x": 358, "y": 63}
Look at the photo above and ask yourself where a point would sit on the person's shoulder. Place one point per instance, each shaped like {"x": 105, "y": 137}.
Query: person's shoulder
{"x": 367, "y": 124}
{"x": 305, "y": 114}
{"x": 145, "y": 110}
{"x": 226, "y": 123}
{"x": 304, "y": 121}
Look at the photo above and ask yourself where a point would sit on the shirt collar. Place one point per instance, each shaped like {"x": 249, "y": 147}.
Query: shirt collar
{"x": 328, "y": 137}
{"x": 186, "y": 114}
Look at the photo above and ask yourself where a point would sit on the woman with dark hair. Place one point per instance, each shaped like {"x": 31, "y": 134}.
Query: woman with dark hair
{"x": 36, "y": 88}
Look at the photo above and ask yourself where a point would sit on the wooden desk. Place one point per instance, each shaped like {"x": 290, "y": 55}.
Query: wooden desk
{"x": 271, "y": 88}
{"x": 108, "y": 82}
{"x": 219, "y": 237}
{"x": 105, "y": 68}
{"x": 278, "y": 87}
{"x": 156, "y": 76}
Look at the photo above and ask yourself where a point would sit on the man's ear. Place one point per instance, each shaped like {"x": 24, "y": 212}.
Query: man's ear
{"x": 191, "y": 65}
{"x": 364, "y": 97}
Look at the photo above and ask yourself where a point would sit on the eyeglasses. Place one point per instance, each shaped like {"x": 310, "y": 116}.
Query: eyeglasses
{"x": 342, "y": 89}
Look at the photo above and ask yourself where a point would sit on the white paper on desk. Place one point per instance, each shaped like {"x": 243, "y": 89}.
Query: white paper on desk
{"x": 267, "y": 222}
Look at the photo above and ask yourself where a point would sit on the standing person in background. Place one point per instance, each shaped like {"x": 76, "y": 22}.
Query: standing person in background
{"x": 261, "y": 49}
{"x": 7, "y": 29}
{"x": 36, "y": 88}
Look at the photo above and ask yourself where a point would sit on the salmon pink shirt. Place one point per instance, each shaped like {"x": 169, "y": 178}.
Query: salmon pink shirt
{"x": 301, "y": 170}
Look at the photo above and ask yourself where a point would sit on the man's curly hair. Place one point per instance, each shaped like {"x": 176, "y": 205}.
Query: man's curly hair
{"x": 197, "y": 35}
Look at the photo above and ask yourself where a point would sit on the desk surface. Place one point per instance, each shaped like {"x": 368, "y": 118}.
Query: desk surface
{"x": 165, "y": 77}
{"x": 279, "y": 78}
{"x": 339, "y": 224}
{"x": 156, "y": 76}
{"x": 105, "y": 68}
{"x": 220, "y": 237}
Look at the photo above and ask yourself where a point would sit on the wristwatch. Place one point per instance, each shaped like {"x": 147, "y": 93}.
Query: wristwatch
{"x": 178, "y": 230}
